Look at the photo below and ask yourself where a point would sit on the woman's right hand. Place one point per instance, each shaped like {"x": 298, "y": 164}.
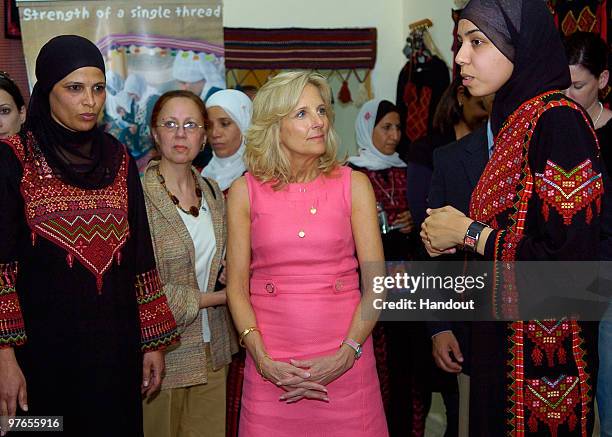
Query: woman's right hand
{"x": 12, "y": 387}
{"x": 296, "y": 384}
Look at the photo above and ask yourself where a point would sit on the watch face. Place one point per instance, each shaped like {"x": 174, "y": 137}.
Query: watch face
{"x": 469, "y": 242}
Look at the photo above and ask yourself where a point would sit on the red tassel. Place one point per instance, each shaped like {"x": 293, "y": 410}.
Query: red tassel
{"x": 33, "y": 237}
{"x": 344, "y": 95}
{"x": 573, "y": 420}
{"x": 70, "y": 260}
{"x": 589, "y": 214}
{"x": 537, "y": 356}
{"x": 598, "y": 205}
{"x": 545, "y": 211}
{"x": 550, "y": 358}
{"x": 553, "y": 429}
{"x": 562, "y": 356}
{"x": 533, "y": 423}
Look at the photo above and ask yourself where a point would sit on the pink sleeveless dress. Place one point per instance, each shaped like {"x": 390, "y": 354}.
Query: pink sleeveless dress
{"x": 304, "y": 290}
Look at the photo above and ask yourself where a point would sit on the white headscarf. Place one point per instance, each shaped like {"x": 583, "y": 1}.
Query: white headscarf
{"x": 239, "y": 108}
{"x": 190, "y": 67}
{"x": 114, "y": 82}
{"x": 114, "y": 85}
{"x": 369, "y": 156}
{"x": 136, "y": 84}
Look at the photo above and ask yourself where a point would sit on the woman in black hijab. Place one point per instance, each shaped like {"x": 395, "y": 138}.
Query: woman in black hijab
{"x": 82, "y": 316}
{"x": 538, "y": 198}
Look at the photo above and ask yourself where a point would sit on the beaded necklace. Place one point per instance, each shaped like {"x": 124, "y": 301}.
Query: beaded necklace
{"x": 193, "y": 210}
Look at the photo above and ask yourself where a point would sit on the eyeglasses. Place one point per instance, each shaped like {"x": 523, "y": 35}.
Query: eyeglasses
{"x": 188, "y": 126}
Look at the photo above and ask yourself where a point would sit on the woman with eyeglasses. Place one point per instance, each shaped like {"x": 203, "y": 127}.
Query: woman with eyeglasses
{"x": 187, "y": 220}
{"x": 12, "y": 107}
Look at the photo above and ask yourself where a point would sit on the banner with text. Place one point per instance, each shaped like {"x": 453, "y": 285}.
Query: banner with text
{"x": 150, "y": 47}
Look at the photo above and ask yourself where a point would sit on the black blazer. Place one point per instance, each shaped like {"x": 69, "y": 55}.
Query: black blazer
{"x": 457, "y": 169}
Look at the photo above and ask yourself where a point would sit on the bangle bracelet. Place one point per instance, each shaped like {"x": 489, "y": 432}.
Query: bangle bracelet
{"x": 260, "y": 363}
{"x": 353, "y": 345}
{"x": 246, "y": 332}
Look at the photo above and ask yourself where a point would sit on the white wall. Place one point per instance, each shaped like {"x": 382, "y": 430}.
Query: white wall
{"x": 440, "y": 13}
{"x": 329, "y": 14}
{"x": 390, "y": 17}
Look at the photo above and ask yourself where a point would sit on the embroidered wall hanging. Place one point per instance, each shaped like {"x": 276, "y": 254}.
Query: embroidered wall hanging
{"x": 253, "y": 55}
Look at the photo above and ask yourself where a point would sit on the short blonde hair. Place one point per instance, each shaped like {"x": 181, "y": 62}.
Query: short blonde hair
{"x": 264, "y": 157}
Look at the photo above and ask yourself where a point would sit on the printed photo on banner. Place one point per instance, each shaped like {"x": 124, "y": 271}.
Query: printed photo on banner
{"x": 148, "y": 50}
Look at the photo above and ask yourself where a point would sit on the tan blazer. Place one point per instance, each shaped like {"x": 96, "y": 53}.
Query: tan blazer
{"x": 175, "y": 257}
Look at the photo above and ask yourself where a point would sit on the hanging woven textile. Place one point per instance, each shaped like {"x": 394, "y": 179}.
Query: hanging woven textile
{"x": 252, "y": 55}
{"x": 421, "y": 83}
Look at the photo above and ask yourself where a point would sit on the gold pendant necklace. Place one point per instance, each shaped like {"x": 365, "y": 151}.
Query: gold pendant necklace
{"x": 193, "y": 210}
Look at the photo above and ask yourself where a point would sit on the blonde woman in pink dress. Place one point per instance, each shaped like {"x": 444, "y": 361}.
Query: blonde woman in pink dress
{"x": 299, "y": 226}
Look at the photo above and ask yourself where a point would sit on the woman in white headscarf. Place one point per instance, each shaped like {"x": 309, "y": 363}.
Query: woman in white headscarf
{"x": 229, "y": 118}
{"x": 229, "y": 114}
{"x": 378, "y": 134}
{"x": 114, "y": 85}
{"x": 143, "y": 98}
{"x": 194, "y": 73}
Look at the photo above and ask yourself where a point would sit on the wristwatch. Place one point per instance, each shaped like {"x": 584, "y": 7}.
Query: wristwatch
{"x": 472, "y": 235}
{"x": 353, "y": 345}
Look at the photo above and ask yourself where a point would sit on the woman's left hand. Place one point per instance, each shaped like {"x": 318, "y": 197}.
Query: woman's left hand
{"x": 445, "y": 228}
{"x": 152, "y": 370}
{"x": 405, "y": 219}
{"x": 325, "y": 369}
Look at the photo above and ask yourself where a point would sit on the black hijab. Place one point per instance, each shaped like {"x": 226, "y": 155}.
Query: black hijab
{"x": 384, "y": 107}
{"x": 88, "y": 159}
{"x": 524, "y": 31}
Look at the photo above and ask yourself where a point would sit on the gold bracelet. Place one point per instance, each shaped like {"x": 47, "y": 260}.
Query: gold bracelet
{"x": 259, "y": 364}
{"x": 245, "y": 333}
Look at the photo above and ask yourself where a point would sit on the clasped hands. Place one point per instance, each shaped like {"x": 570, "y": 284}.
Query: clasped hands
{"x": 443, "y": 230}
{"x": 306, "y": 379}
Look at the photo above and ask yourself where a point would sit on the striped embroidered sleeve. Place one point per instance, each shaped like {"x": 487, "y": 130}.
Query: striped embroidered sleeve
{"x": 12, "y": 328}
{"x": 157, "y": 324}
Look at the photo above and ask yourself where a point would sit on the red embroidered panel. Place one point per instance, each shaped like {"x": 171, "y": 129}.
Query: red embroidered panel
{"x": 91, "y": 225}
{"x": 548, "y": 336}
{"x": 417, "y": 102}
{"x": 505, "y": 181}
{"x": 506, "y": 186}
{"x": 517, "y": 384}
{"x": 12, "y": 328}
{"x": 552, "y": 402}
{"x": 569, "y": 192}
{"x": 157, "y": 324}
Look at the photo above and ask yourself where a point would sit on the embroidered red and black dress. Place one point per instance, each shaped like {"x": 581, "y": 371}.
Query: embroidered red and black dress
{"x": 543, "y": 198}
{"x": 80, "y": 297}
